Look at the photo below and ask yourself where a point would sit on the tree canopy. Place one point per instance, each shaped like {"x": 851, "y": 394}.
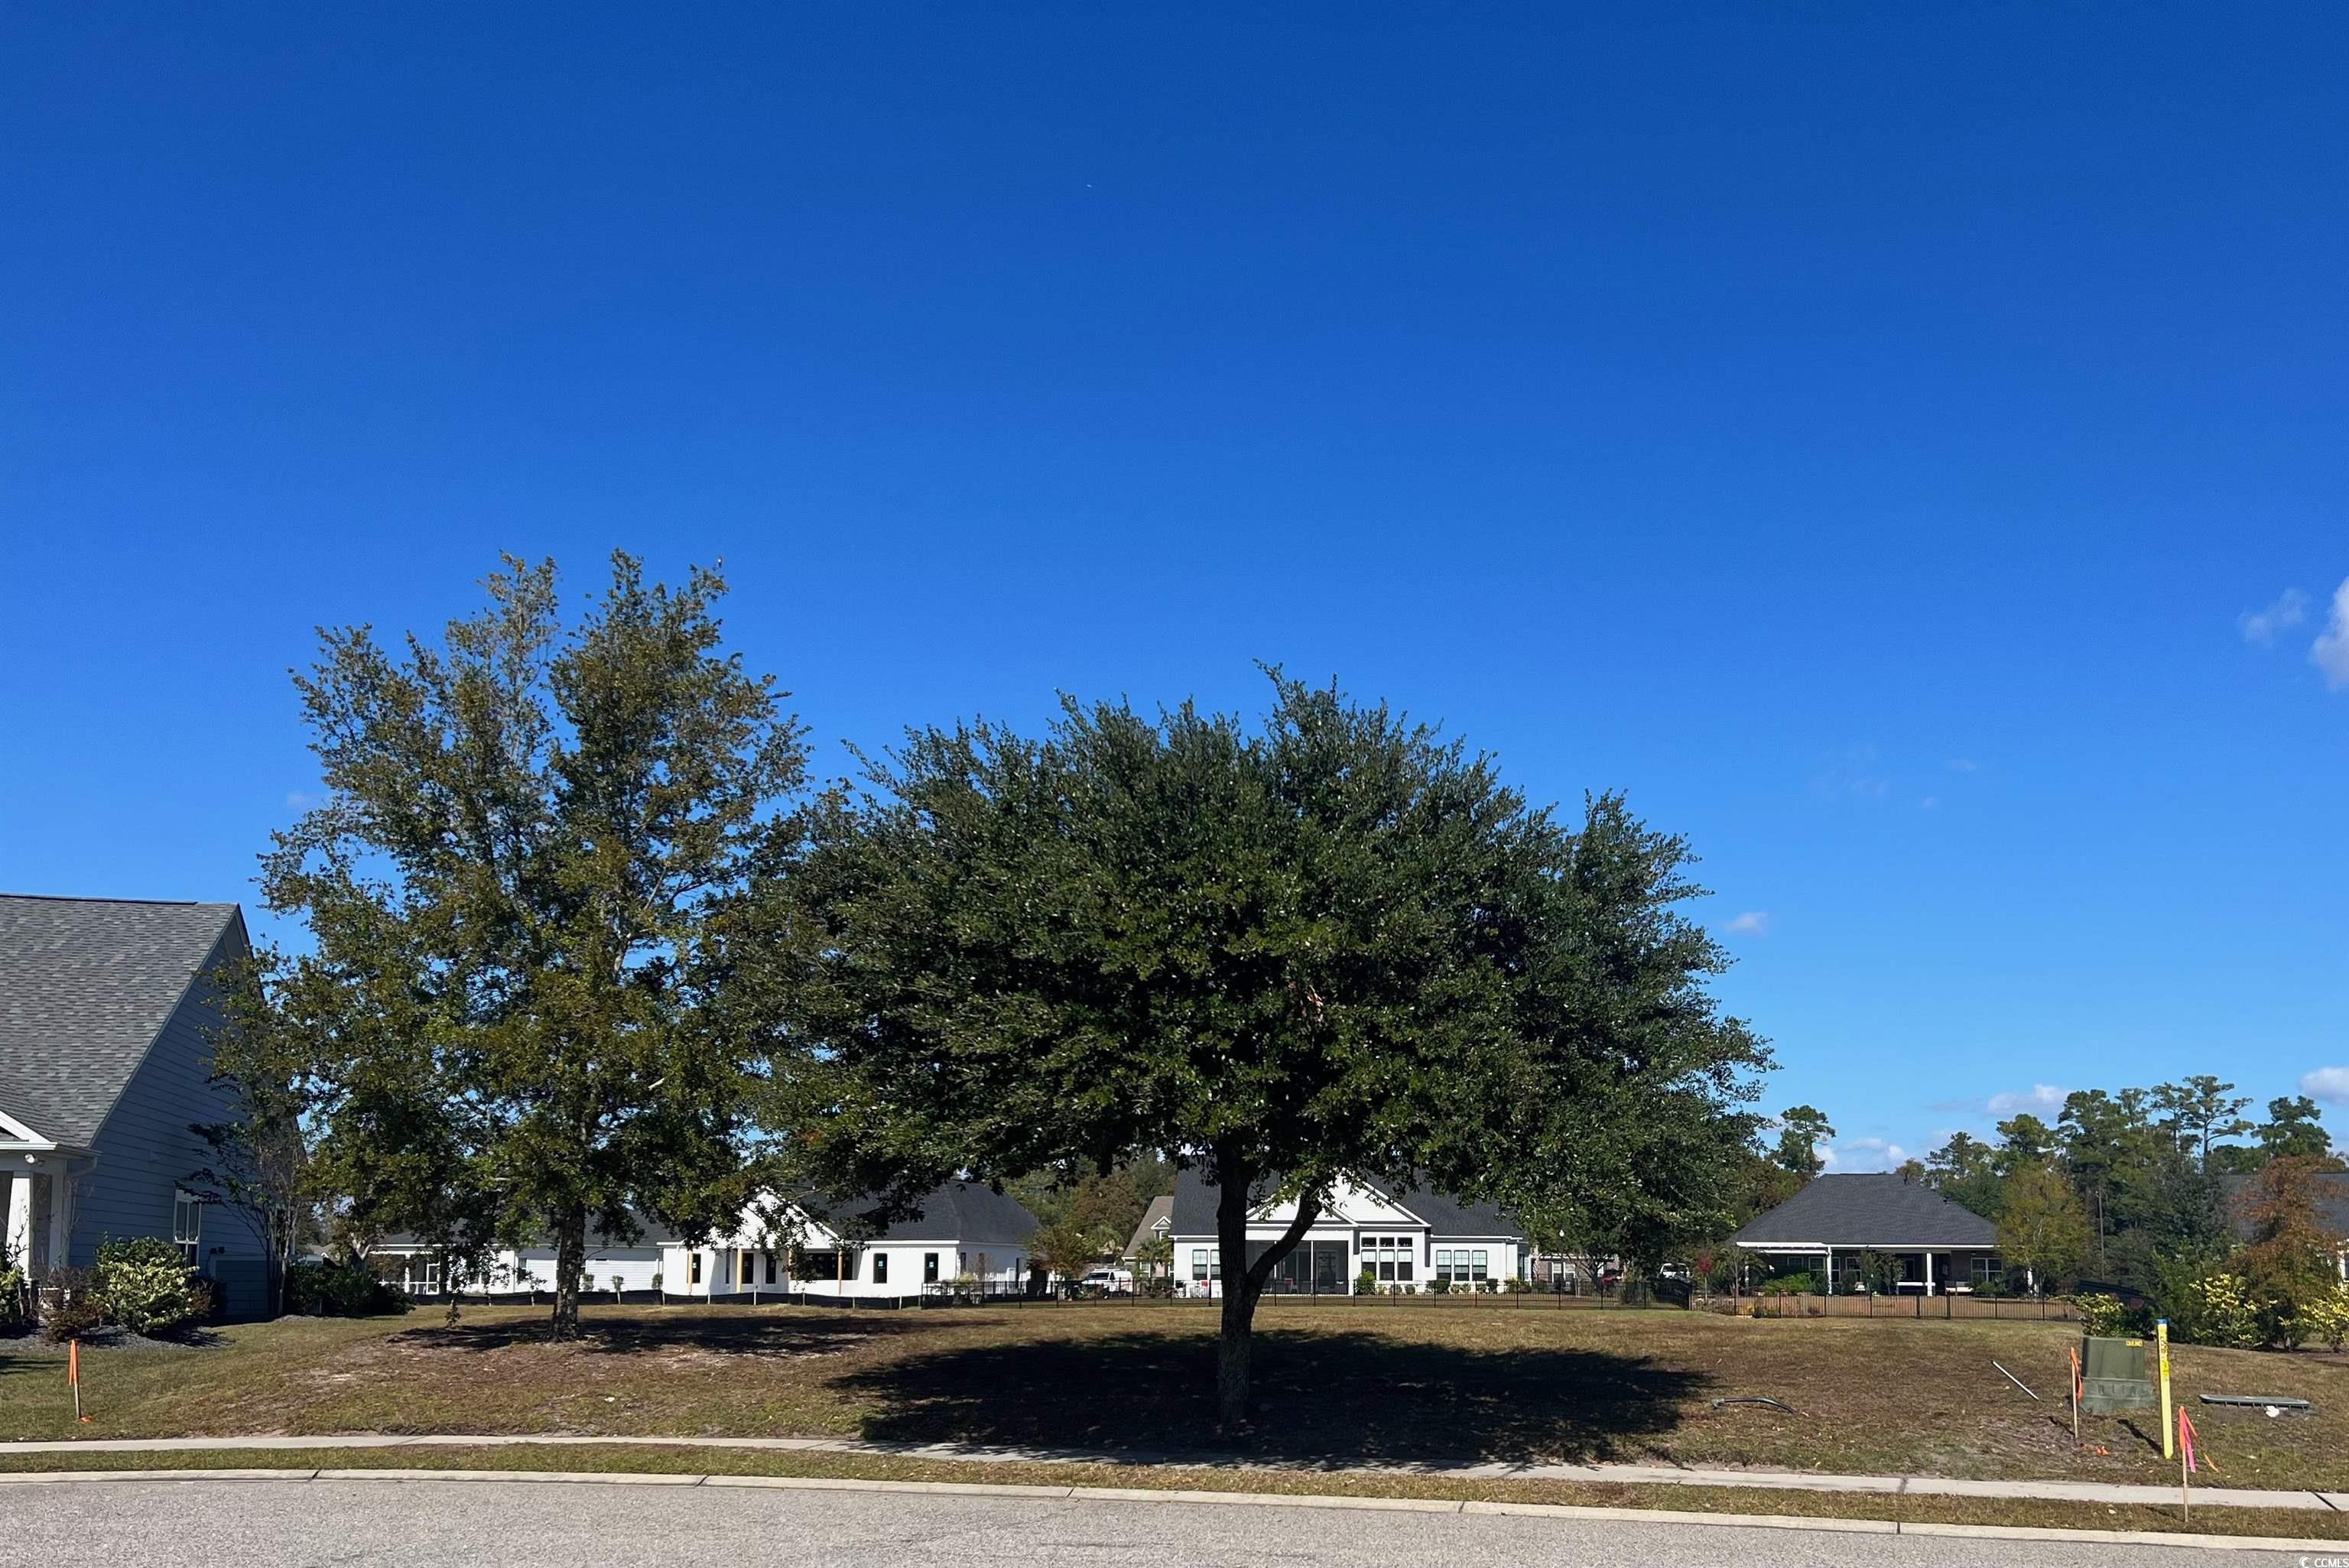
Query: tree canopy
{"x": 527, "y": 831}
{"x": 1334, "y": 945}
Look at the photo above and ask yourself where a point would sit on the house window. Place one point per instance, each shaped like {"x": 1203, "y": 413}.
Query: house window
{"x": 929, "y": 1268}
{"x": 693, "y": 1275}
{"x": 1986, "y": 1273}
{"x": 880, "y": 1268}
{"x": 1206, "y": 1263}
{"x": 771, "y": 1268}
{"x": 1444, "y": 1262}
{"x": 188, "y": 1224}
{"x": 1478, "y": 1266}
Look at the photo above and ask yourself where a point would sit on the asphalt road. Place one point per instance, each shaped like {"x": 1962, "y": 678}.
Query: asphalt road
{"x": 465, "y": 1524}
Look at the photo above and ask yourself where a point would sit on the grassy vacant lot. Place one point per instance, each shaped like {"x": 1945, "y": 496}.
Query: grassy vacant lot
{"x": 1354, "y": 1383}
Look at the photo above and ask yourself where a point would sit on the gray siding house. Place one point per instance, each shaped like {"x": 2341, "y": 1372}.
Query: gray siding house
{"x": 107, "y": 1008}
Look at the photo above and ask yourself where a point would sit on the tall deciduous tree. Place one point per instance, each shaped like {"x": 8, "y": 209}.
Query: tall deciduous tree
{"x": 1335, "y": 946}
{"x": 511, "y": 885}
{"x": 2042, "y": 1228}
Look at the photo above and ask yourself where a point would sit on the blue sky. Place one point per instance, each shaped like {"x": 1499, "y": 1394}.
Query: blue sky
{"x": 1859, "y": 436}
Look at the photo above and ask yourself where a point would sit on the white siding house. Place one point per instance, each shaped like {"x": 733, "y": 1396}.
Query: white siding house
{"x": 964, "y": 1236}
{"x": 1404, "y": 1240}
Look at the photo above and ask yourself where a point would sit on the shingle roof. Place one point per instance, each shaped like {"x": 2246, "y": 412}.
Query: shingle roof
{"x": 86, "y": 984}
{"x": 1195, "y": 1208}
{"x": 1162, "y": 1207}
{"x": 1886, "y": 1212}
{"x": 2332, "y": 1202}
{"x": 967, "y": 1212}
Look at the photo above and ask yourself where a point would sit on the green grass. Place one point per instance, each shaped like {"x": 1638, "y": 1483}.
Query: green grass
{"x": 1349, "y": 1384}
{"x": 1726, "y": 1501}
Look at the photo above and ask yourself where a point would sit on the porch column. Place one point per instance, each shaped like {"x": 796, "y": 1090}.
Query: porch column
{"x": 1928, "y": 1273}
{"x": 1830, "y": 1289}
{"x": 19, "y": 1246}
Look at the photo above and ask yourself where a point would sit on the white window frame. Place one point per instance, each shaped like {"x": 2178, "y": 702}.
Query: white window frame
{"x": 188, "y": 1224}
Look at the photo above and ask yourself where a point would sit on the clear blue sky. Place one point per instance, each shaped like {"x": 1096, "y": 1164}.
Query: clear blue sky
{"x": 1857, "y": 435}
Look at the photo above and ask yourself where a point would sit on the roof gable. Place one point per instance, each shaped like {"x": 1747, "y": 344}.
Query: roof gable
{"x": 1194, "y": 1208}
{"x": 86, "y": 984}
{"x": 967, "y": 1212}
{"x": 1885, "y": 1211}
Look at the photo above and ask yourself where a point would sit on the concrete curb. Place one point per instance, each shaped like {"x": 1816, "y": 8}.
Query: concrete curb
{"x": 1226, "y": 1498}
{"x": 2112, "y": 1492}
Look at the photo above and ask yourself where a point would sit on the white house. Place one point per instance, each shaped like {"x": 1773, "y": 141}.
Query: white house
{"x": 808, "y": 1248}
{"x": 1404, "y": 1240}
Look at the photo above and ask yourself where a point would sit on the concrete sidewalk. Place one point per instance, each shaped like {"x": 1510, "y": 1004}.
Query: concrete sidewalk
{"x": 2109, "y": 1492}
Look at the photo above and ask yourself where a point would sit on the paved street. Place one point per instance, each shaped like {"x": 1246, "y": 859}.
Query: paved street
{"x": 462, "y": 1524}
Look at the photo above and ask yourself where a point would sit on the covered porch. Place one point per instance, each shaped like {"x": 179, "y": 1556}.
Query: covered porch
{"x": 1895, "y": 1269}
{"x": 36, "y": 1233}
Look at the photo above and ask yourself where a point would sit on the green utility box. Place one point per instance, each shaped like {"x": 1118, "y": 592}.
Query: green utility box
{"x": 2114, "y": 1376}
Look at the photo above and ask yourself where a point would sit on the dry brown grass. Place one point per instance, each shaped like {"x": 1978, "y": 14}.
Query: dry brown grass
{"x": 1339, "y": 1384}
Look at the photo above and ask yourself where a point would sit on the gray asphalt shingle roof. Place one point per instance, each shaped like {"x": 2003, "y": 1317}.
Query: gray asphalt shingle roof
{"x": 1885, "y": 1211}
{"x": 959, "y": 1211}
{"x": 86, "y": 984}
{"x": 1162, "y": 1207}
{"x": 1195, "y": 1208}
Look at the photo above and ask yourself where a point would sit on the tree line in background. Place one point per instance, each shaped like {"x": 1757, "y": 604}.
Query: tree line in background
{"x": 585, "y": 946}
{"x": 2130, "y": 1192}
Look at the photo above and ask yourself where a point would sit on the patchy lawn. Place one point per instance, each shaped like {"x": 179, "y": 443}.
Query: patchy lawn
{"x": 1338, "y": 1384}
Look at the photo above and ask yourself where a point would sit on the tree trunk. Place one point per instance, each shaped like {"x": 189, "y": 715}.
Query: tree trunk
{"x": 570, "y": 1261}
{"x": 1244, "y": 1283}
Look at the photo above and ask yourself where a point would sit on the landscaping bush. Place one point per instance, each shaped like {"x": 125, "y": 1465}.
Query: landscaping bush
{"x": 1787, "y": 1284}
{"x": 1439, "y": 1286}
{"x": 15, "y": 1311}
{"x": 1516, "y": 1286}
{"x": 69, "y": 1307}
{"x": 340, "y": 1290}
{"x": 1366, "y": 1282}
{"x": 144, "y": 1285}
{"x": 2219, "y": 1311}
{"x": 2101, "y": 1316}
{"x": 2327, "y": 1318}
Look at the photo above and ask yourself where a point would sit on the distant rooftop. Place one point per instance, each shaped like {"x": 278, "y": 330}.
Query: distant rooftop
{"x": 1887, "y": 1212}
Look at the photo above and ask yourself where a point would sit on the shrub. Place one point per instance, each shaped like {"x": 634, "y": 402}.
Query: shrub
{"x": 144, "y": 1284}
{"x": 69, "y": 1307}
{"x": 1787, "y": 1284}
{"x": 1366, "y": 1282}
{"x": 14, "y": 1311}
{"x": 340, "y": 1290}
{"x": 2101, "y": 1316}
{"x": 1440, "y": 1285}
{"x": 2220, "y": 1311}
{"x": 2327, "y": 1318}
{"x": 1516, "y": 1286}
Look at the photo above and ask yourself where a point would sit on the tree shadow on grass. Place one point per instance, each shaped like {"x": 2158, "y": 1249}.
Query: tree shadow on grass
{"x": 1325, "y": 1397}
{"x": 733, "y": 1333}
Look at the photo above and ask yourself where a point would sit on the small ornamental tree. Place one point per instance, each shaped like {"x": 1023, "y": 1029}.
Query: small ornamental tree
{"x": 2042, "y": 1228}
{"x": 1334, "y": 946}
{"x": 2292, "y": 1259}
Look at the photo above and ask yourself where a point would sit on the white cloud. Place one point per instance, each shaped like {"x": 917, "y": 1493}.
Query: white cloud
{"x": 2043, "y": 1101}
{"x": 2331, "y": 1084}
{"x": 1964, "y": 764}
{"x": 2330, "y": 652}
{"x": 1856, "y": 774}
{"x": 297, "y": 800}
{"x": 1864, "y": 1154}
{"x": 1752, "y": 923}
{"x": 1929, "y": 802}
{"x": 2260, "y": 626}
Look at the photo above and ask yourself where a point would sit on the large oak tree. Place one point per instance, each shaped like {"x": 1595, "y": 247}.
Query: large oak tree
{"x": 511, "y": 885}
{"x": 1334, "y": 945}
